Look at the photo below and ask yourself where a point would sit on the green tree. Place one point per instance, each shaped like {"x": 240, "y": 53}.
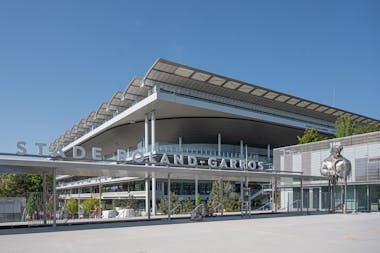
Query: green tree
{"x": 188, "y": 205}
{"x": 199, "y": 199}
{"x": 130, "y": 203}
{"x": 19, "y": 185}
{"x": 230, "y": 200}
{"x": 344, "y": 126}
{"x": 34, "y": 205}
{"x": 163, "y": 205}
{"x": 219, "y": 193}
{"x": 362, "y": 128}
{"x": 90, "y": 205}
{"x": 233, "y": 203}
{"x": 310, "y": 135}
{"x": 72, "y": 207}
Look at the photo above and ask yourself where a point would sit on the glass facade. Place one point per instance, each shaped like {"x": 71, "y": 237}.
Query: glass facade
{"x": 363, "y": 190}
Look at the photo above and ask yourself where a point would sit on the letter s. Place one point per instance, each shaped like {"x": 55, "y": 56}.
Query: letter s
{"x": 21, "y": 147}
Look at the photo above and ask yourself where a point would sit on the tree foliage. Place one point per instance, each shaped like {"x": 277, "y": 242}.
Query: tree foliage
{"x": 89, "y": 205}
{"x": 174, "y": 202}
{"x": 310, "y": 135}
{"x": 130, "y": 203}
{"x": 188, "y": 205}
{"x": 72, "y": 207}
{"x": 16, "y": 185}
{"x": 199, "y": 199}
{"x": 221, "y": 193}
{"x": 34, "y": 204}
{"x": 362, "y": 129}
{"x": 344, "y": 126}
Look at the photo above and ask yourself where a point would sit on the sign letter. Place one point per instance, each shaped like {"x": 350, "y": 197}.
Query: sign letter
{"x": 21, "y": 147}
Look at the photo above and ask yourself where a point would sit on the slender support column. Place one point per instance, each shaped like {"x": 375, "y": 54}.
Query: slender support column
{"x": 345, "y": 196}
{"x": 79, "y": 193}
{"x": 44, "y": 196}
{"x": 219, "y": 144}
{"x": 153, "y": 125}
{"x": 241, "y": 190}
{"x": 54, "y": 199}
{"x": 154, "y": 195}
{"x": 241, "y": 149}
{"x": 268, "y": 152}
{"x": 221, "y": 195}
{"x": 146, "y": 136}
{"x": 169, "y": 199}
{"x": 147, "y": 197}
{"x": 301, "y": 193}
{"x": 368, "y": 207}
{"x": 180, "y": 144}
{"x": 355, "y": 198}
{"x": 196, "y": 190}
{"x": 241, "y": 180}
{"x": 100, "y": 197}
{"x": 275, "y": 194}
{"x": 311, "y": 198}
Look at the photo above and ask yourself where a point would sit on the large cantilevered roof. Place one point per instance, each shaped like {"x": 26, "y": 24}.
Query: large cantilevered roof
{"x": 164, "y": 71}
{"x": 119, "y": 102}
{"x": 177, "y": 74}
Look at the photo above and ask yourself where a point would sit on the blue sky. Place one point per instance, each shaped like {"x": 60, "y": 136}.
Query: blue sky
{"x": 60, "y": 59}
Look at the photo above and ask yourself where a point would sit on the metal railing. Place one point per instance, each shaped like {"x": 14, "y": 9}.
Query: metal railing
{"x": 261, "y": 208}
{"x": 179, "y": 206}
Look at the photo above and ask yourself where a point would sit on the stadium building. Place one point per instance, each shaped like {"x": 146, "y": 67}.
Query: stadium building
{"x": 177, "y": 115}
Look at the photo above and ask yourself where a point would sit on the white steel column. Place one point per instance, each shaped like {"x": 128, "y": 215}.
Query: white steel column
{"x": 196, "y": 190}
{"x": 147, "y": 199}
{"x": 153, "y": 144}
{"x": 241, "y": 190}
{"x": 44, "y": 196}
{"x": 241, "y": 149}
{"x": 153, "y": 195}
{"x": 320, "y": 199}
{"x": 100, "y": 196}
{"x": 180, "y": 144}
{"x": 241, "y": 180}
{"x": 301, "y": 193}
{"x": 219, "y": 144}
{"x": 79, "y": 193}
{"x": 153, "y": 125}
{"x": 169, "y": 199}
{"x": 146, "y": 138}
{"x": 268, "y": 152}
{"x": 355, "y": 198}
{"x": 54, "y": 199}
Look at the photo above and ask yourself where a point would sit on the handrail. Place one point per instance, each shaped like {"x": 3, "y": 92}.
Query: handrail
{"x": 195, "y": 214}
{"x": 196, "y": 208}
{"x": 171, "y": 211}
{"x": 263, "y": 206}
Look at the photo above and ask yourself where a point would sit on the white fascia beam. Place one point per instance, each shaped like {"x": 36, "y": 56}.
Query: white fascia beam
{"x": 112, "y": 121}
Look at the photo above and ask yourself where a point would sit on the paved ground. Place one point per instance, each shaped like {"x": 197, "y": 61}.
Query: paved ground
{"x": 317, "y": 233}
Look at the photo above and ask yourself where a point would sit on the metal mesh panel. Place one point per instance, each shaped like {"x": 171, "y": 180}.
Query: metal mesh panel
{"x": 362, "y": 150}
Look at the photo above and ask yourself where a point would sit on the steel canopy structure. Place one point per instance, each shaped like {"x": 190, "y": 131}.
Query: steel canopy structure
{"x": 253, "y": 97}
{"x": 43, "y": 165}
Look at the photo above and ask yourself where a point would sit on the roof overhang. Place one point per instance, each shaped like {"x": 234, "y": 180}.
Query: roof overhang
{"x": 36, "y": 165}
